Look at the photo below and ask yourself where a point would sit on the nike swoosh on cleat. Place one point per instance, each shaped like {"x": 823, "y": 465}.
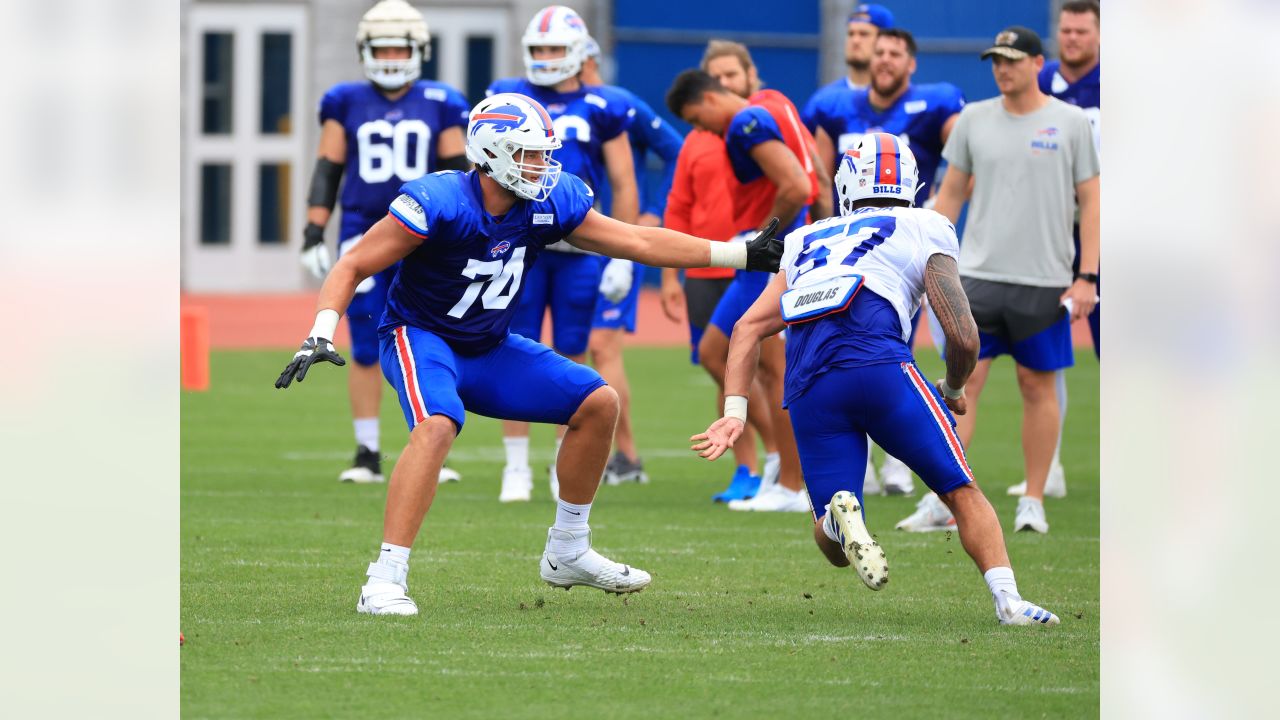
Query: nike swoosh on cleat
{"x": 626, "y": 571}
{"x": 553, "y": 567}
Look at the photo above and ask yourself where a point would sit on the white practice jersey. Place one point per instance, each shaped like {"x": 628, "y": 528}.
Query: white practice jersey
{"x": 887, "y": 246}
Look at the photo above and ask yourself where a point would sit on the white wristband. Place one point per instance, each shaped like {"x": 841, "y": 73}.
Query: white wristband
{"x": 326, "y": 324}
{"x": 949, "y": 392}
{"x": 735, "y": 406}
{"x": 728, "y": 255}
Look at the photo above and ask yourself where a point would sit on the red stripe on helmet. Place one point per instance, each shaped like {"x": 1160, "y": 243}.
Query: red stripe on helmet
{"x": 544, "y": 24}
{"x": 887, "y": 149}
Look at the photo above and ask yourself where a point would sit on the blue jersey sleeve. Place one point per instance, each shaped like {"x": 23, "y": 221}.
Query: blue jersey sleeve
{"x": 502, "y": 85}
{"x": 613, "y": 113}
{"x": 415, "y": 209}
{"x": 750, "y": 127}
{"x": 455, "y": 110}
{"x": 1046, "y": 76}
{"x": 950, "y": 100}
{"x": 571, "y": 200}
{"x": 333, "y": 106}
{"x": 649, "y": 132}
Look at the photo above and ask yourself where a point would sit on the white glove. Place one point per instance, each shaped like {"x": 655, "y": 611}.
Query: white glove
{"x": 615, "y": 283}
{"x": 317, "y": 261}
{"x": 315, "y": 254}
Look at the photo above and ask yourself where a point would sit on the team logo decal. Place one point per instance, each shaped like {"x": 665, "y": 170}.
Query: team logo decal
{"x": 499, "y": 249}
{"x": 503, "y": 118}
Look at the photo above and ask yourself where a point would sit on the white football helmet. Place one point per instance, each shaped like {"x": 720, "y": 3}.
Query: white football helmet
{"x": 555, "y": 26}
{"x": 879, "y": 166}
{"x": 393, "y": 23}
{"x": 510, "y": 137}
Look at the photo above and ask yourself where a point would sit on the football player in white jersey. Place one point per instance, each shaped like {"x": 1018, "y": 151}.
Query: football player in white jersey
{"x": 848, "y": 291}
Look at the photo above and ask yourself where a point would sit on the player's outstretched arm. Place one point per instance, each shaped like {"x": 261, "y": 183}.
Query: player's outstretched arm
{"x": 667, "y": 248}
{"x": 380, "y": 248}
{"x": 946, "y": 297}
{"x": 952, "y": 194}
{"x": 323, "y": 196}
{"x": 762, "y": 319}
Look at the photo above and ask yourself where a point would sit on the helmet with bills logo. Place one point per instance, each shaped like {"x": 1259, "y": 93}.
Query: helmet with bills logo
{"x": 510, "y": 138}
{"x": 879, "y": 166}
{"x": 555, "y": 26}
{"x": 393, "y": 23}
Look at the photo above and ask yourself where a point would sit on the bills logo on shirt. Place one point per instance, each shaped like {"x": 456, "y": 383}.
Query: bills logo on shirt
{"x": 499, "y": 249}
{"x": 1045, "y": 141}
{"x": 542, "y": 218}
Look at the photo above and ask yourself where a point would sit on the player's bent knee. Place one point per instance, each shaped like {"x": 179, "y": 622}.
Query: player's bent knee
{"x": 602, "y": 405}
{"x": 435, "y": 429}
{"x": 1036, "y": 385}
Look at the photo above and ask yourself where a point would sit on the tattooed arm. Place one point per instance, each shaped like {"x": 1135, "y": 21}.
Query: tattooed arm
{"x": 946, "y": 297}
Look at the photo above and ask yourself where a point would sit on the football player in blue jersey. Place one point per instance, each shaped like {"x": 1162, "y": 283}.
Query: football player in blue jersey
{"x": 864, "y": 24}
{"x": 465, "y": 242}
{"x": 592, "y": 122}
{"x": 849, "y": 286}
{"x": 619, "y": 299}
{"x": 1075, "y": 78}
{"x": 374, "y": 136}
{"x": 922, "y": 117}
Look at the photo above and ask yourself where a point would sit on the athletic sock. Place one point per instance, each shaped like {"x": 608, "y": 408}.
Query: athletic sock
{"x": 573, "y": 519}
{"x": 829, "y": 527}
{"x": 517, "y": 452}
{"x": 367, "y": 432}
{"x": 1004, "y": 590}
{"x": 393, "y": 554}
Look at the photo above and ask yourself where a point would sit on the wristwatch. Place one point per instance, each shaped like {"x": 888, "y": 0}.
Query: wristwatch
{"x": 1088, "y": 277}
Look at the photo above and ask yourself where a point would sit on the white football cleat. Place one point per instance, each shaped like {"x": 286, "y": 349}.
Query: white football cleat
{"x": 386, "y": 593}
{"x": 774, "y": 498}
{"x": 448, "y": 474}
{"x": 930, "y": 515}
{"x": 590, "y": 568}
{"x": 553, "y": 481}
{"x": 870, "y": 483}
{"x": 864, "y": 553}
{"x": 517, "y": 485}
{"x": 1055, "y": 485}
{"x": 1030, "y": 516}
{"x": 772, "y": 466}
{"x": 1024, "y": 612}
{"x": 896, "y": 477}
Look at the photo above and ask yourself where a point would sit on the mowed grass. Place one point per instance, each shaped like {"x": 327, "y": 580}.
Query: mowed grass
{"x": 743, "y": 619}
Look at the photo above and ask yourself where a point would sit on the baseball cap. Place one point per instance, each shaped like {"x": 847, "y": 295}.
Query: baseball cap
{"x": 877, "y": 15}
{"x": 1015, "y": 43}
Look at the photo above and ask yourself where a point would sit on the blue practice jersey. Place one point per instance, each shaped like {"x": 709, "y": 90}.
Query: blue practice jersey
{"x": 388, "y": 142}
{"x": 584, "y": 121}
{"x": 751, "y": 126}
{"x": 818, "y": 99}
{"x": 648, "y": 133}
{"x": 1085, "y": 93}
{"x": 464, "y": 281}
{"x": 916, "y": 118}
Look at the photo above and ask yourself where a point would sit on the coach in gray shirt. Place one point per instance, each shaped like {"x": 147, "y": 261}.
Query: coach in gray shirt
{"x": 1031, "y": 158}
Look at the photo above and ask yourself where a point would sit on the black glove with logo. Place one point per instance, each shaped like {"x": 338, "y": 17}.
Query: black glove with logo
{"x": 313, "y": 350}
{"x": 764, "y": 251}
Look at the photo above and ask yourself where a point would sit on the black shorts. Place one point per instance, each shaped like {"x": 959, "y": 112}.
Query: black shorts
{"x": 701, "y": 296}
{"x": 1024, "y": 321}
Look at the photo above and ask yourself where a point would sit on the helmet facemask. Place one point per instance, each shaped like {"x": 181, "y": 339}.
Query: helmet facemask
{"x": 510, "y": 138}
{"x": 392, "y": 74}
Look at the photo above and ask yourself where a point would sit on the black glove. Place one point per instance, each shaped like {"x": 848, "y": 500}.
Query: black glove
{"x": 764, "y": 251}
{"x": 313, "y": 350}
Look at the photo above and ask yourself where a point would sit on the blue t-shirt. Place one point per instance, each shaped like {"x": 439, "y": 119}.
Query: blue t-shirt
{"x": 916, "y": 118}
{"x": 751, "y": 126}
{"x": 584, "y": 120}
{"x": 818, "y": 99}
{"x": 388, "y": 142}
{"x": 463, "y": 282}
{"x": 647, "y": 133}
{"x": 1085, "y": 93}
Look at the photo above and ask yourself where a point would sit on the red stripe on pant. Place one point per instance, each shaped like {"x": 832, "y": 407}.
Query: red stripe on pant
{"x": 410, "y": 377}
{"x": 952, "y": 440}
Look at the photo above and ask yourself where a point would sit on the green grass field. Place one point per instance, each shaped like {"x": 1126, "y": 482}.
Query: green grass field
{"x": 744, "y": 618}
